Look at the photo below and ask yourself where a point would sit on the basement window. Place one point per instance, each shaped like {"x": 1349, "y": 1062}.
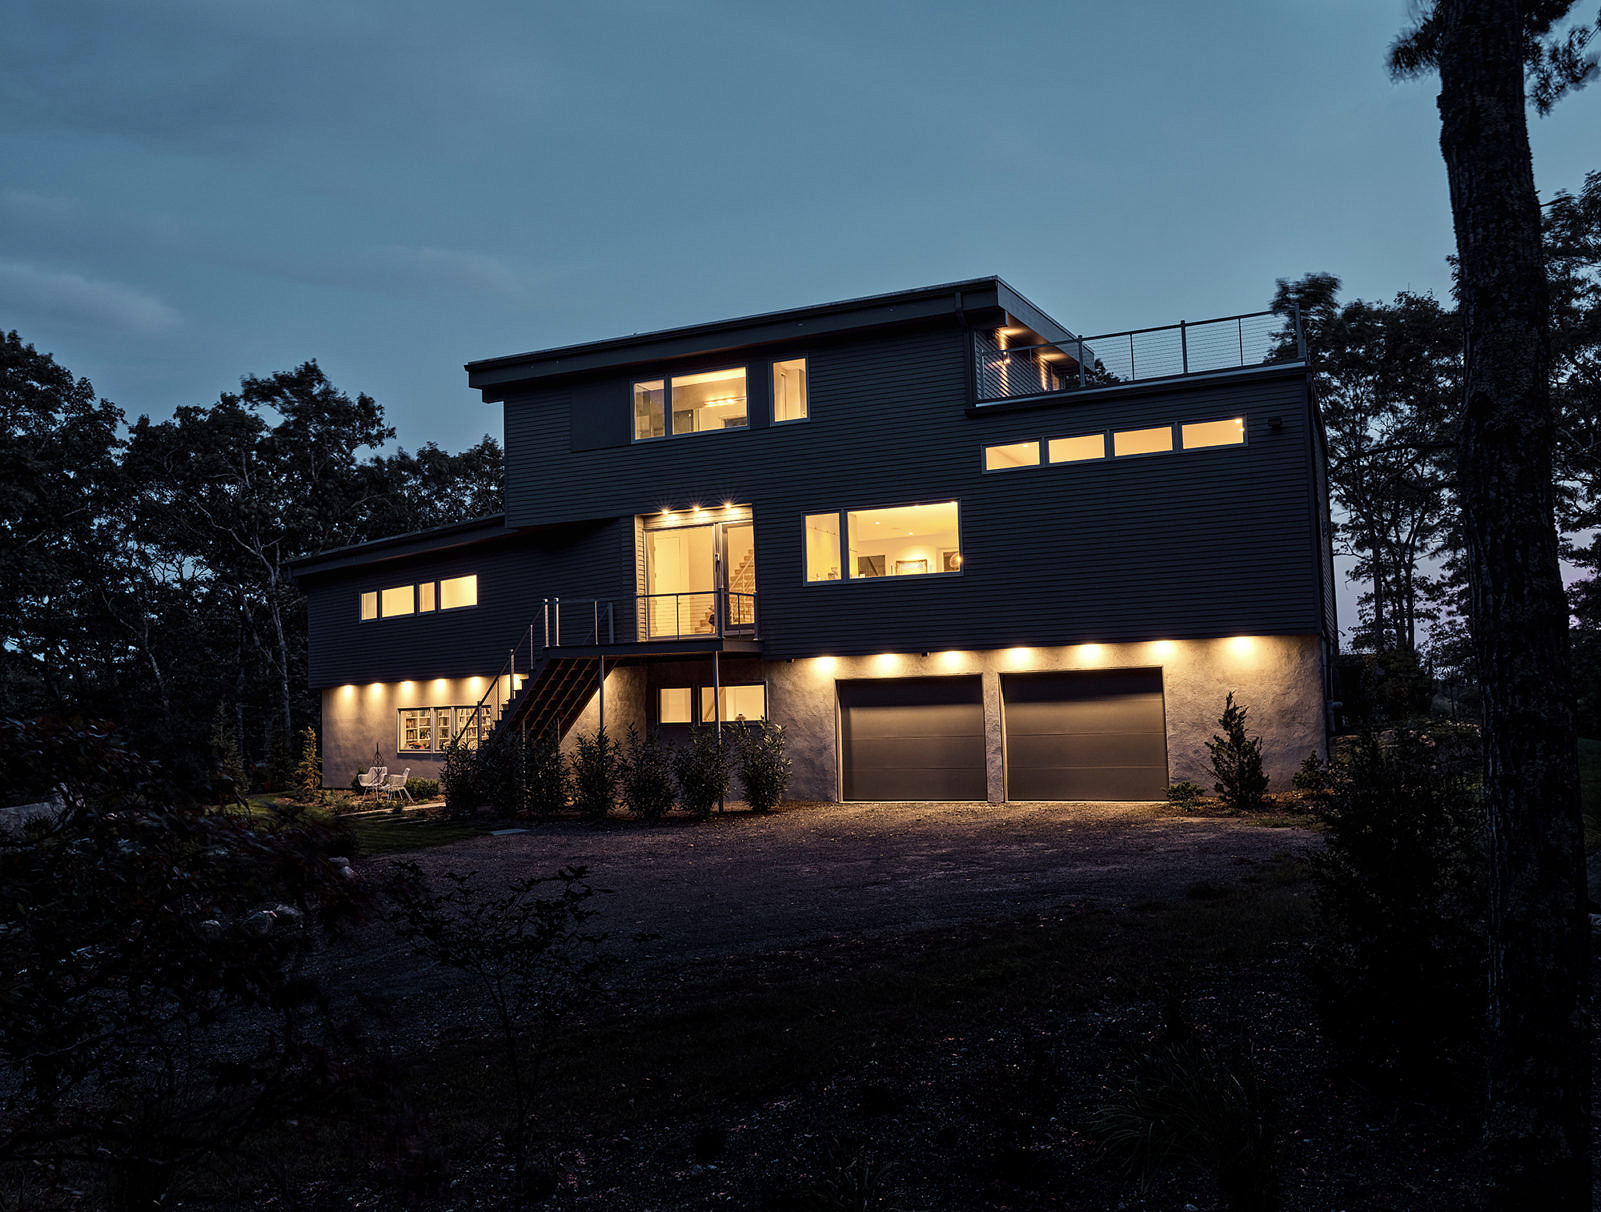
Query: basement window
{"x": 739, "y": 703}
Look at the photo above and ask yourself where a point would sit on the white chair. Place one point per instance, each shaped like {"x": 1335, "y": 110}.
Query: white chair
{"x": 373, "y": 780}
{"x": 395, "y": 788}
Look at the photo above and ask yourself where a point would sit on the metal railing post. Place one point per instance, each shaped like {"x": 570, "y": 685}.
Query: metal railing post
{"x": 611, "y": 622}
{"x": 556, "y": 602}
{"x": 545, "y": 610}
{"x": 594, "y": 611}
{"x": 1239, "y": 323}
{"x": 1132, "y": 376}
{"x": 1184, "y": 347}
{"x": 718, "y": 613}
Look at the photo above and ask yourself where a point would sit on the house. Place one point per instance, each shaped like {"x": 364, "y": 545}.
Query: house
{"x": 956, "y": 550}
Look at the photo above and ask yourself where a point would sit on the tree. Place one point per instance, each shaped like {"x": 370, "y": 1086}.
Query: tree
{"x": 1537, "y": 1117}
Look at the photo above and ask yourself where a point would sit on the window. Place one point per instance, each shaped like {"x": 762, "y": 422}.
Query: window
{"x": 1015, "y": 454}
{"x": 1142, "y": 441}
{"x": 789, "y": 391}
{"x": 1198, "y": 434}
{"x": 822, "y": 547}
{"x": 713, "y": 399}
{"x": 369, "y": 605}
{"x": 456, "y": 592}
{"x": 432, "y": 729}
{"x": 399, "y": 600}
{"x": 425, "y": 597}
{"x": 1076, "y": 450}
{"x": 906, "y": 540}
{"x": 416, "y": 730}
{"x": 673, "y": 705}
{"x": 738, "y": 703}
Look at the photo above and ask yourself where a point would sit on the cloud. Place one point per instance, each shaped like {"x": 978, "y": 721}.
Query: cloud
{"x": 73, "y": 297}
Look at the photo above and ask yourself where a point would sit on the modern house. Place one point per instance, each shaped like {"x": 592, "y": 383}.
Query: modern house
{"x": 956, "y": 550}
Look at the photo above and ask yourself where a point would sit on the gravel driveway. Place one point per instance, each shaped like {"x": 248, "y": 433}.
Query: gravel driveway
{"x": 818, "y": 871}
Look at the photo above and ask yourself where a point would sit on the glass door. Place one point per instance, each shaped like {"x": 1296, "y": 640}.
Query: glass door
{"x": 739, "y": 576}
{"x": 687, "y": 569}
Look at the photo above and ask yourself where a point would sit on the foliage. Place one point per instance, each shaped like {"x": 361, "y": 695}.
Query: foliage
{"x": 139, "y": 932}
{"x": 1313, "y": 776}
{"x": 1185, "y": 795}
{"x": 701, "y": 770}
{"x": 647, "y": 782}
{"x": 1237, "y": 761}
{"x": 1402, "y": 902}
{"x": 545, "y": 777}
{"x": 232, "y": 783}
{"x": 527, "y": 949}
{"x": 763, "y": 764}
{"x": 499, "y": 759}
{"x": 595, "y": 774}
{"x": 464, "y": 793}
{"x": 421, "y": 789}
{"x": 308, "y": 773}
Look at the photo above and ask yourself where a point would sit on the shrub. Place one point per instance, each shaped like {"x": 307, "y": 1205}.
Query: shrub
{"x": 308, "y": 772}
{"x": 763, "y": 765}
{"x": 500, "y": 771}
{"x": 1312, "y": 775}
{"x": 545, "y": 781}
{"x": 595, "y": 773}
{"x": 1185, "y": 795}
{"x": 701, "y": 770}
{"x": 421, "y": 789}
{"x": 463, "y": 789}
{"x": 1402, "y": 903}
{"x": 1237, "y": 761}
{"x": 355, "y": 781}
{"x": 226, "y": 762}
{"x": 647, "y": 784}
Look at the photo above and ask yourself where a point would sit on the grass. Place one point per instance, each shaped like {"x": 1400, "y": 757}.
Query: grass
{"x": 385, "y": 833}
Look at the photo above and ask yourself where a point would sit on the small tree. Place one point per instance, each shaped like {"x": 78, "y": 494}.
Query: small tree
{"x": 595, "y": 773}
{"x": 763, "y": 764}
{"x": 647, "y": 783}
{"x": 526, "y": 947}
{"x": 1237, "y": 761}
{"x": 701, "y": 771}
{"x": 228, "y": 766}
{"x": 545, "y": 778}
{"x": 308, "y": 773}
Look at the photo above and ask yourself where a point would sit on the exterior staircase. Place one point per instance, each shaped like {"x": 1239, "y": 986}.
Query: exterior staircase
{"x": 552, "y": 696}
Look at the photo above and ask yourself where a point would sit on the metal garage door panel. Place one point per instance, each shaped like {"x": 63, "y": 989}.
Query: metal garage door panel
{"x": 913, "y": 739}
{"x": 1085, "y": 736}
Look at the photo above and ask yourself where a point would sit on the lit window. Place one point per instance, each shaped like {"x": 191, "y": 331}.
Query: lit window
{"x": 416, "y": 730}
{"x": 822, "y": 547}
{"x": 738, "y": 703}
{"x": 369, "y": 605}
{"x": 650, "y": 411}
{"x": 1076, "y": 450}
{"x": 458, "y": 591}
{"x": 1214, "y": 433}
{"x": 907, "y": 540}
{"x": 714, "y": 400}
{"x": 1142, "y": 441}
{"x": 1016, "y": 454}
{"x": 399, "y": 600}
{"x": 674, "y": 705}
{"x": 434, "y": 729}
{"x": 789, "y": 390}
{"x": 425, "y": 597}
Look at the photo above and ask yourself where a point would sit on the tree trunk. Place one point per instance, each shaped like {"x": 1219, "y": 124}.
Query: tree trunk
{"x": 1537, "y": 1116}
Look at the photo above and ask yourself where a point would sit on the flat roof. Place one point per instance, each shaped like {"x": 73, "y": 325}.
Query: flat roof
{"x": 416, "y": 542}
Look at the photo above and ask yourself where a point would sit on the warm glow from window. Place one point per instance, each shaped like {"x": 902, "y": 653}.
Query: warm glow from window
{"x": 400, "y": 600}
{"x": 1214, "y": 433}
{"x": 1076, "y": 450}
{"x": 738, "y": 703}
{"x": 674, "y": 706}
{"x": 822, "y": 547}
{"x": 458, "y": 591}
{"x": 789, "y": 390}
{"x": 712, "y": 400}
{"x": 1142, "y": 441}
{"x": 369, "y": 605}
{"x": 905, "y": 540}
{"x": 1016, "y": 454}
{"x": 425, "y": 597}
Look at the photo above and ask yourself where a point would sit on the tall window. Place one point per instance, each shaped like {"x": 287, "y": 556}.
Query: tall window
{"x": 822, "y": 547}
{"x": 789, "y": 390}
{"x": 698, "y": 403}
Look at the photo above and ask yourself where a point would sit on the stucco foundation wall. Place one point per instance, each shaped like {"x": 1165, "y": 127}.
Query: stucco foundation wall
{"x": 625, "y": 705}
{"x": 358, "y": 719}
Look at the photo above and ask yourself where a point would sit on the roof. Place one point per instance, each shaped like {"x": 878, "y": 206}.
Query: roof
{"x": 977, "y": 301}
{"x": 417, "y": 542}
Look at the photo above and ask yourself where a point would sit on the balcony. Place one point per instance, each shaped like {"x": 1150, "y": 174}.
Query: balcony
{"x": 1143, "y": 355}
{"x": 698, "y": 621}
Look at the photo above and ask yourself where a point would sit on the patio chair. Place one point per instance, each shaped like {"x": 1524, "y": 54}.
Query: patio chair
{"x": 373, "y": 780}
{"x": 395, "y": 787}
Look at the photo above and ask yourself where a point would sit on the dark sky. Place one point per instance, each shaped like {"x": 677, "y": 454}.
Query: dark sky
{"x": 194, "y": 190}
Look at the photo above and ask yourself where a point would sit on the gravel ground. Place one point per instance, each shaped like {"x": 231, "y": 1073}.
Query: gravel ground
{"x": 683, "y": 891}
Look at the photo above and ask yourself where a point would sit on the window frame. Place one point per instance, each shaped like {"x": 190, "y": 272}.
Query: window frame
{"x": 1245, "y": 433}
{"x": 772, "y": 390}
{"x": 439, "y": 593}
{"x": 436, "y": 744}
{"x": 848, "y": 577}
{"x": 1039, "y": 456}
{"x": 703, "y": 691}
{"x": 1172, "y": 441}
{"x": 668, "y": 380}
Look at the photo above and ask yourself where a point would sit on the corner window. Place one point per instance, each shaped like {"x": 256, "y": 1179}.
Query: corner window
{"x": 1142, "y": 441}
{"x": 714, "y": 399}
{"x": 369, "y": 605}
{"x": 822, "y": 547}
{"x": 458, "y": 591}
{"x": 739, "y": 703}
{"x": 1076, "y": 450}
{"x": 906, "y": 540}
{"x": 1198, "y": 434}
{"x": 1014, "y": 454}
{"x": 673, "y": 706}
{"x": 789, "y": 391}
{"x": 399, "y": 600}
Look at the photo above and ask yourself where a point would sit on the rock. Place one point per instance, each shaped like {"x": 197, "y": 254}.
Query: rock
{"x": 287, "y": 914}
{"x": 211, "y": 928}
{"x": 259, "y": 922}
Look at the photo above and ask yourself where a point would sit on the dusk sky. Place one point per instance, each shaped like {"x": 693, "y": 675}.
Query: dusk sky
{"x": 195, "y": 190}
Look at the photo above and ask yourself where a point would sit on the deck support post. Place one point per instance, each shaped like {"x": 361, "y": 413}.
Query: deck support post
{"x": 717, "y": 711}
{"x": 602, "y": 693}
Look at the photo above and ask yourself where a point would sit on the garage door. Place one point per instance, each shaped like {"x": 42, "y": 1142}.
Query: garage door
{"x": 912, "y": 739}
{"x": 1085, "y": 736}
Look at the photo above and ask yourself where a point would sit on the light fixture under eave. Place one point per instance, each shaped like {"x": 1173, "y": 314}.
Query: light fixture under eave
{"x": 950, "y": 659}
{"x": 827, "y": 664}
{"x": 1019, "y": 656}
{"x": 1242, "y": 645}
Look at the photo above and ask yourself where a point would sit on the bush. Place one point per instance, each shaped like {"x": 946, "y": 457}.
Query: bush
{"x": 308, "y": 772}
{"x": 1185, "y": 795}
{"x": 500, "y": 771}
{"x": 421, "y": 789}
{"x": 1237, "y": 761}
{"x": 1400, "y": 964}
{"x": 1313, "y": 776}
{"x": 545, "y": 781}
{"x": 464, "y": 793}
{"x": 701, "y": 771}
{"x": 763, "y": 765}
{"x": 647, "y": 784}
{"x": 595, "y": 773}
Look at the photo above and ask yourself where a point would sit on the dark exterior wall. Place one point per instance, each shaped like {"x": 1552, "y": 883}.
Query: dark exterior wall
{"x": 1187, "y": 544}
{"x": 515, "y": 574}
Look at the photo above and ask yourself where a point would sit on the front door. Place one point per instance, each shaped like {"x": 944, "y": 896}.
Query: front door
{"x": 689, "y": 568}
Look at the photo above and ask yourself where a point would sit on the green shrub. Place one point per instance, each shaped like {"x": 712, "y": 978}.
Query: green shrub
{"x": 355, "y": 781}
{"x": 701, "y": 770}
{"x": 1185, "y": 795}
{"x": 1312, "y": 775}
{"x": 228, "y": 765}
{"x": 763, "y": 765}
{"x": 647, "y": 783}
{"x": 545, "y": 781}
{"x": 464, "y": 793}
{"x": 421, "y": 789}
{"x": 595, "y": 773}
{"x": 1400, "y": 964}
{"x": 308, "y": 771}
{"x": 1237, "y": 761}
{"x": 500, "y": 771}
